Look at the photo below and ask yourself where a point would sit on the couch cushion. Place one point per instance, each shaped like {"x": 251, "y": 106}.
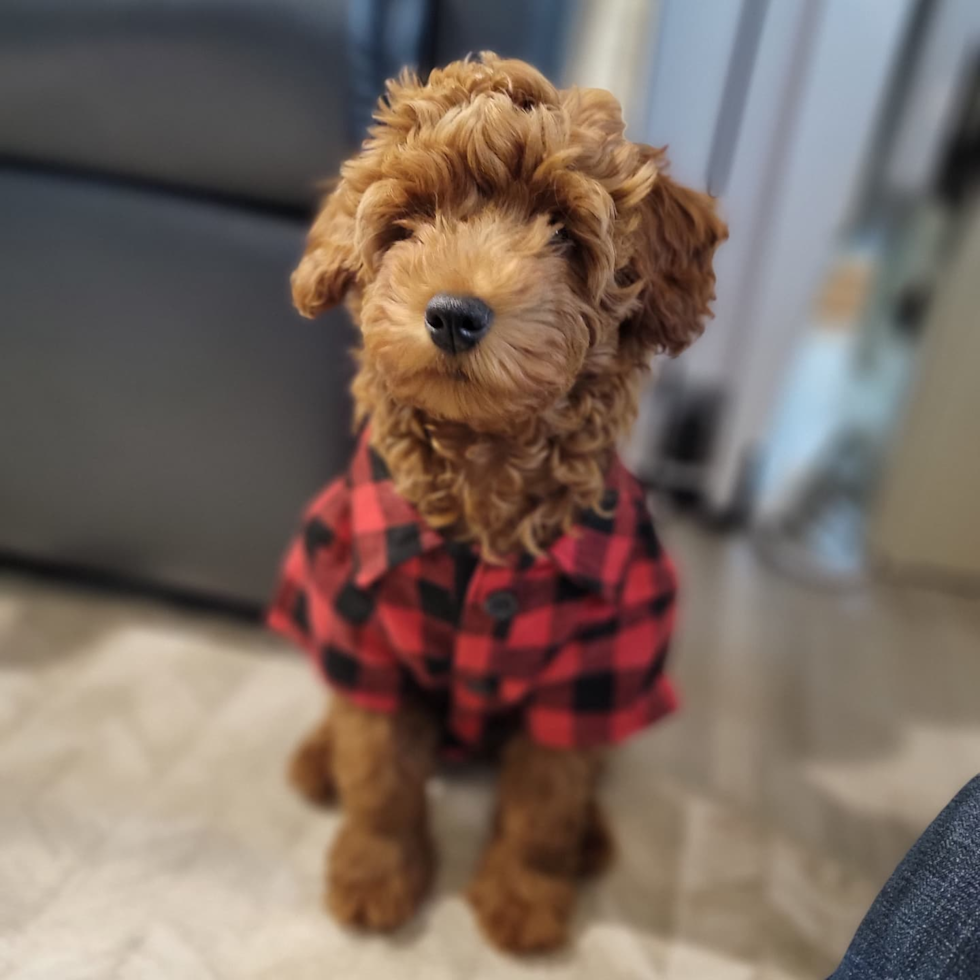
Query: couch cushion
{"x": 164, "y": 414}
{"x": 239, "y": 97}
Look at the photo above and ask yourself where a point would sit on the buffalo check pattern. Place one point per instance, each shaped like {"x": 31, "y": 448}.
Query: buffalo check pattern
{"x": 569, "y": 645}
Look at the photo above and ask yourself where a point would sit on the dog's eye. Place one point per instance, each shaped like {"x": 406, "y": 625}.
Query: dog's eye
{"x": 560, "y": 236}
{"x": 399, "y": 233}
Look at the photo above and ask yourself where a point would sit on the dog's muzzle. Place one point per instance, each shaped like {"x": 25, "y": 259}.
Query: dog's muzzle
{"x": 457, "y": 323}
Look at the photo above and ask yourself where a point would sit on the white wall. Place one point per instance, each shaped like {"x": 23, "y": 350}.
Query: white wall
{"x": 769, "y": 126}
{"x": 686, "y": 81}
{"x": 611, "y": 47}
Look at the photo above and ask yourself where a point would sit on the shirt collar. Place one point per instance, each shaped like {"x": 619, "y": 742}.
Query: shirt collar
{"x": 388, "y": 531}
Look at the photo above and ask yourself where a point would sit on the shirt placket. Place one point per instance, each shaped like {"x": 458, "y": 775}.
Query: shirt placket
{"x": 491, "y": 603}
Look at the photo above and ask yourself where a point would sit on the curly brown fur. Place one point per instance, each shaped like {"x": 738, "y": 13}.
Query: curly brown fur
{"x": 380, "y": 867}
{"x": 545, "y": 838}
{"x": 549, "y": 830}
{"x": 487, "y": 181}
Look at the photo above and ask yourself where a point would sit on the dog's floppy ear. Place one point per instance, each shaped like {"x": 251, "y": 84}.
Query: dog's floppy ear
{"x": 329, "y": 265}
{"x": 675, "y": 242}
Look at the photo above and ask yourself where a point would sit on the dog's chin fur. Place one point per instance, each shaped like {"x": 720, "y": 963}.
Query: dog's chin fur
{"x": 487, "y": 181}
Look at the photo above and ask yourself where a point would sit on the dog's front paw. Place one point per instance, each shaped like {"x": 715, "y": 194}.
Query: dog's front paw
{"x": 376, "y": 882}
{"x": 520, "y": 910}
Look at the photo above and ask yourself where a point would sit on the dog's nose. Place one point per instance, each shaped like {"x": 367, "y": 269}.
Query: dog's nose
{"x": 457, "y": 323}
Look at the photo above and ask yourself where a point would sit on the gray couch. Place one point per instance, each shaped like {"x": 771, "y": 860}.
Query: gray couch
{"x": 163, "y": 412}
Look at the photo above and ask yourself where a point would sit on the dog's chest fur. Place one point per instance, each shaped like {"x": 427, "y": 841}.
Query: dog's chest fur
{"x": 507, "y": 493}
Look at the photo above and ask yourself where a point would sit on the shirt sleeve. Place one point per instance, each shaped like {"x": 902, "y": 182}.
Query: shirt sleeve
{"x": 609, "y": 681}
{"x": 325, "y": 526}
{"x": 320, "y": 607}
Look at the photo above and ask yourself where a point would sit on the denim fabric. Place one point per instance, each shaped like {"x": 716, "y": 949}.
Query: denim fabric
{"x": 925, "y": 924}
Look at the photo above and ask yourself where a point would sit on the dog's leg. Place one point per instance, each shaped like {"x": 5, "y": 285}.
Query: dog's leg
{"x": 311, "y": 767}
{"x": 380, "y": 866}
{"x": 524, "y": 890}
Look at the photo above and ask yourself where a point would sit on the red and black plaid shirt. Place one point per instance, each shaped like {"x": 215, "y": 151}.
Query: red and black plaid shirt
{"x": 570, "y": 645}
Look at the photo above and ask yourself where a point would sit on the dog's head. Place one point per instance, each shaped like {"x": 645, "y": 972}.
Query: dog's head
{"x": 501, "y": 242}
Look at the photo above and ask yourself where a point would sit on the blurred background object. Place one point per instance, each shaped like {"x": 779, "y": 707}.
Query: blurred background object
{"x": 895, "y": 315}
{"x": 842, "y": 138}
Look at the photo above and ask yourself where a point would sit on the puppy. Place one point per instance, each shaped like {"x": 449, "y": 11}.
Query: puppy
{"x": 485, "y": 578}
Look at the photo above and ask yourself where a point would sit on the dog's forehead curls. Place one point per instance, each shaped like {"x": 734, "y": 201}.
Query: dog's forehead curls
{"x": 505, "y": 249}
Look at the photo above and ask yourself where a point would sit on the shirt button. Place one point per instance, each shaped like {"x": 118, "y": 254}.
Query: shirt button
{"x": 484, "y": 686}
{"x": 501, "y": 605}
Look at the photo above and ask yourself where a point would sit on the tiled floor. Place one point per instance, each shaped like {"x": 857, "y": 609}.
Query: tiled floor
{"x": 145, "y": 831}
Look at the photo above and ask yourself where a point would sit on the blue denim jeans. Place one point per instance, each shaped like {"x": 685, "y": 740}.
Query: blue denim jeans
{"x": 925, "y": 924}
